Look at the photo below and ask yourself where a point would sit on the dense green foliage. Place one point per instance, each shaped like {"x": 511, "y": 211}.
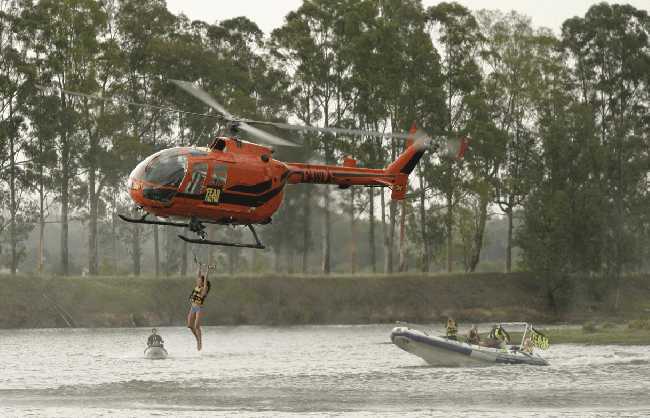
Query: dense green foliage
{"x": 30, "y": 301}
{"x": 560, "y": 130}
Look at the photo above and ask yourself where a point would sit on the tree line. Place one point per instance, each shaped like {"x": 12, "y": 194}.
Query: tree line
{"x": 559, "y": 128}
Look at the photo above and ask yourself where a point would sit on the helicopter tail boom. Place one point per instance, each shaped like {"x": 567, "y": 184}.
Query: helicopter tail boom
{"x": 395, "y": 176}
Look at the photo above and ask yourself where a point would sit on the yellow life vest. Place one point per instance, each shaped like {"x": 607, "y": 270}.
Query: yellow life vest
{"x": 196, "y": 297}
{"x": 452, "y": 330}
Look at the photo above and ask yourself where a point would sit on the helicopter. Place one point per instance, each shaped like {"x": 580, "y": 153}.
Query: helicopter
{"x": 238, "y": 182}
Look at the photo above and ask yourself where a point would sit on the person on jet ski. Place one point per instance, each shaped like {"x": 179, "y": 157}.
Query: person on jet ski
{"x": 154, "y": 339}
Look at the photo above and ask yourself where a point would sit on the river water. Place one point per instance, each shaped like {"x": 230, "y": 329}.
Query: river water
{"x": 301, "y": 371}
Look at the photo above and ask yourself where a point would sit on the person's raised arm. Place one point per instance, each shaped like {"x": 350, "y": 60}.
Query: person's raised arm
{"x": 204, "y": 284}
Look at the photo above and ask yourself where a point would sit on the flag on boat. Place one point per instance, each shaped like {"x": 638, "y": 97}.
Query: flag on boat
{"x": 540, "y": 340}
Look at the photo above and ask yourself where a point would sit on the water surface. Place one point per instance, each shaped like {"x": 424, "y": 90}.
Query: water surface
{"x": 301, "y": 371}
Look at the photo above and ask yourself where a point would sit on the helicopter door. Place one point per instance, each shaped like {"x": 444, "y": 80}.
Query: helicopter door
{"x": 197, "y": 181}
{"x": 217, "y": 183}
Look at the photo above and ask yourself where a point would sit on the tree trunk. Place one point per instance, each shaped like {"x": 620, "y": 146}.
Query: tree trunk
{"x": 65, "y": 186}
{"x": 156, "y": 250}
{"x": 92, "y": 225}
{"x": 41, "y": 222}
{"x": 136, "y": 251}
{"x": 327, "y": 236}
{"x": 391, "y": 236}
{"x": 353, "y": 235}
{"x": 232, "y": 260}
{"x": 371, "y": 237}
{"x": 288, "y": 258}
{"x": 509, "y": 242}
{"x": 393, "y": 214}
{"x": 326, "y": 232}
{"x": 184, "y": 259}
{"x": 13, "y": 208}
{"x": 402, "y": 237}
{"x": 479, "y": 233}
{"x": 276, "y": 258}
{"x": 423, "y": 226}
{"x": 388, "y": 265}
{"x": 114, "y": 232}
{"x": 173, "y": 253}
{"x": 449, "y": 224}
{"x": 306, "y": 228}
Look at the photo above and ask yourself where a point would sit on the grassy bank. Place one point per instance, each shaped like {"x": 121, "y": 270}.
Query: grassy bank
{"x": 281, "y": 300}
{"x": 635, "y": 332}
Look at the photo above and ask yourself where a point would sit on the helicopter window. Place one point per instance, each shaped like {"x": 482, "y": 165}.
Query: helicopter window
{"x": 195, "y": 152}
{"x": 166, "y": 168}
{"x": 219, "y": 175}
{"x": 199, "y": 173}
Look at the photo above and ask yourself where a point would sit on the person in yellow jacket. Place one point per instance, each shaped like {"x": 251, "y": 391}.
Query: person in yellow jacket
{"x": 452, "y": 329}
{"x": 498, "y": 337}
{"x": 197, "y": 299}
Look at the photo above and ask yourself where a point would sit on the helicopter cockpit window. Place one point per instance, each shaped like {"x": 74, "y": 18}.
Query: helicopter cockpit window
{"x": 166, "y": 168}
{"x": 199, "y": 173}
{"x": 219, "y": 175}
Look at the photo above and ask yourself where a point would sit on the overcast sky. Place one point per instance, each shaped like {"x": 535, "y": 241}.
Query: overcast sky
{"x": 269, "y": 14}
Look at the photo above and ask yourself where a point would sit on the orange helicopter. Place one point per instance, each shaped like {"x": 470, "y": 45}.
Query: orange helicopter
{"x": 236, "y": 182}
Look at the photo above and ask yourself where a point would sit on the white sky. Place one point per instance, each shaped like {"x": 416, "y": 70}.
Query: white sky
{"x": 269, "y": 14}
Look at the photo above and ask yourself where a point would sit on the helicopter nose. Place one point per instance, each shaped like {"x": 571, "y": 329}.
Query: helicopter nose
{"x": 136, "y": 189}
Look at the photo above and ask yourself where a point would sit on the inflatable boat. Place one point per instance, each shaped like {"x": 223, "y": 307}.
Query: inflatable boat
{"x": 448, "y": 352}
{"x": 155, "y": 352}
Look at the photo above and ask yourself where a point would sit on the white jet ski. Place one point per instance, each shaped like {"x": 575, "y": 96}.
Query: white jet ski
{"x": 446, "y": 352}
{"x": 155, "y": 352}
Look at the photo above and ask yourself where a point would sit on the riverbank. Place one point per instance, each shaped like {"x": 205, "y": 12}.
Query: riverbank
{"x": 32, "y": 302}
{"x": 635, "y": 332}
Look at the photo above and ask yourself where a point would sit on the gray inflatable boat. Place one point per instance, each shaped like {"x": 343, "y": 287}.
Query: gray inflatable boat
{"x": 445, "y": 352}
{"x": 155, "y": 352}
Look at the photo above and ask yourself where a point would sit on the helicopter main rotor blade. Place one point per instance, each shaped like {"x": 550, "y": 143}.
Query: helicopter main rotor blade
{"x": 348, "y": 131}
{"x": 240, "y": 123}
{"x": 265, "y": 136}
{"x": 204, "y": 97}
{"x": 130, "y": 103}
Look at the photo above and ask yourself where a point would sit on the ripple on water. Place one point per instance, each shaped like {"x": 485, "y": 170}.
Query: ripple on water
{"x": 258, "y": 371}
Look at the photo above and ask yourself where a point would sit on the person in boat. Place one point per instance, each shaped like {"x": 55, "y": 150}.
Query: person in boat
{"x": 498, "y": 337}
{"x": 197, "y": 298}
{"x": 154, "y": 339}
{"x": 452, "y": 329}
{"x": 473, "y": 336}
{"x": 527, "y": 346}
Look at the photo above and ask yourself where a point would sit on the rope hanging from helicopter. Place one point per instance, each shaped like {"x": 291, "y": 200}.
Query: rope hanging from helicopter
{"x": 200, "y": 264}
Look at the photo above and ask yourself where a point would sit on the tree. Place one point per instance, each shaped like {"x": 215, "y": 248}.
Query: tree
{"x": 611, "y": 50}
{"x": 513, "y": 60}
{"x": 13, "y": 89}
{"x": 313, "y": 41}
{"x": 458, "y": 33}
{"x": 65, "y": 34}
{"x": 144, "y": 29}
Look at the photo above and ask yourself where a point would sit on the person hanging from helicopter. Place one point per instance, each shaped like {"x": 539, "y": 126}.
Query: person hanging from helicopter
{"x": 197, "y": 299}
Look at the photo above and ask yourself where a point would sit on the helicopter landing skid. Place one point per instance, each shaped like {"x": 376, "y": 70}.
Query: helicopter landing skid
{"x": 258, "y": 245}
{"x": 142, "y": 220}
